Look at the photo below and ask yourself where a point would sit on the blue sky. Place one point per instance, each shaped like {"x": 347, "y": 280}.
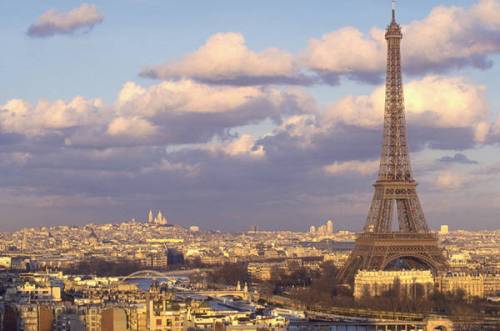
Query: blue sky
{"x": 272, "y": 153}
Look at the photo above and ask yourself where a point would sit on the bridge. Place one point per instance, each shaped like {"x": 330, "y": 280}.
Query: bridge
{"x": 155, "y": 274}
{"x": 244, "y": 295}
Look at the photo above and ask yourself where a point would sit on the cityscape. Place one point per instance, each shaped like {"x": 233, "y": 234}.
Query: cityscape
{"x": 176, "y": 208}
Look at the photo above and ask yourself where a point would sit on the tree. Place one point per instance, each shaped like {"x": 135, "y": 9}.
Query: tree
{"x": 229, "y": 274}
{"x": 102, "y": 267}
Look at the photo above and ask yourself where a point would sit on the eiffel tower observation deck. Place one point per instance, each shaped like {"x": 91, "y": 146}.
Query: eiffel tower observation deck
{"x": 413, "y": 245}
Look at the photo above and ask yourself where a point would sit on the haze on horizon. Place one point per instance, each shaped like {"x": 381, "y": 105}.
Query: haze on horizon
{"x": 228, "y": 115}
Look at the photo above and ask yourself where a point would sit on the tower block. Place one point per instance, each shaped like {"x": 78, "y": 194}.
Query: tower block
{"x": 379, "y": 247}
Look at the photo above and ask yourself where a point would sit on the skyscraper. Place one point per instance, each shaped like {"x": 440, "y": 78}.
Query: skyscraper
{"x": 329, "y": 227}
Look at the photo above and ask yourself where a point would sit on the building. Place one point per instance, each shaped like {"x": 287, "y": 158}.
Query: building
{"x": 113, "y": 319}
{"x": 376, "y": 283}
{"x": 471, "y": 285}
{"x": 443, "y": 229}
{"x": 460, "y": 260}
{"x": 492, "y": 285}
{"x": 156, "y": 260}
{"x": 194, "y": 228}
{"x": 35, "y": 292}
{"x": 33, "y": 317}
{"x": 92, "y": 318}
{"x": 158, "y": 220}
{"x": 263, "y": 271}
{"x": 329, "y": 227}
{"x": 5, "y": 262}
{"x": 323, "y": 229}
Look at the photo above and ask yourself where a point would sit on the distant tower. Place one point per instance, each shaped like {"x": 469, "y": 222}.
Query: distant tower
{"x": 312, "y": 229}
{"x": 444, "y": 229}
{"x": 379, "y": 247}
{"x": 329, "y": 227}
{"x": 150, "y": 216}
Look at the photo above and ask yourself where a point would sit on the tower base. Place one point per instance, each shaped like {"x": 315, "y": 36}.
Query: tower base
{"x": 384, "y": 251}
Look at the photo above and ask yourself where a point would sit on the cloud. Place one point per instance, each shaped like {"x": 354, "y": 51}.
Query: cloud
{"x": 53, "y": 22}
{"x": 449, "y": 37}
{"x": 347, "y": 52}
{"x": 187, "y": 112}
{"x": 496, "y": 127}
{"x": 363, "y": 168}
{"x": 245, "y": 145}
{"x": 19, "y": 116}
{"x": 168, "y": 166}
{"x": 225, "y": 59}
{"x": 177, "y": 112}
{"x": 457, "y": 158}
{"x": 131, "y": 126}
{"x": 451, "y": 181}
{"x": 459, "y": 104}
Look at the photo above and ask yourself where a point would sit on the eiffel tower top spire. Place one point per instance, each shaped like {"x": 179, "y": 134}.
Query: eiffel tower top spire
{"x": 394, "y": 10}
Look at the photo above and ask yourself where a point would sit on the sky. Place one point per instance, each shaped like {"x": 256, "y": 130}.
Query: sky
{"x": 230, "y": 114}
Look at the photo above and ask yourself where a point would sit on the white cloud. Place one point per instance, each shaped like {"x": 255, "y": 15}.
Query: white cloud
{"x": 186, "y": 111}
{"x": 53, "y": 22}
{"x": 18, "y": 116}
{"x": 225, "y": 58}
{"x": 363, "y": 168}
{"x": 244, "y": 146}
{"x": 131, "y": 126}
{"x": 433, "y": 101}
{"x": 346, "y": 52}
{"x": 186, "y": 96}
{"x": 176, "y": 112}
{"x": 449, "y": 37}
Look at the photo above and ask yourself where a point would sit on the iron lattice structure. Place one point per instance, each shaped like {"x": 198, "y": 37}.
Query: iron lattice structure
{"x": 395, "y": 190}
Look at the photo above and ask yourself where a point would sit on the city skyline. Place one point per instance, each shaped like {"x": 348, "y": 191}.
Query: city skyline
{"x": 231, "y": 128}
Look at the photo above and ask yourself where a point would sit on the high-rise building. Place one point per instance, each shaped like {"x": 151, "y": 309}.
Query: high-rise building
{"x": 329, "y": 227}
{"x": 443, "y": 229}
{"x": 323, "y": 229}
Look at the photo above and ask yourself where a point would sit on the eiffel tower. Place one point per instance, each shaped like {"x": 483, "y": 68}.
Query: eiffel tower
{"x": 379, "y": 247}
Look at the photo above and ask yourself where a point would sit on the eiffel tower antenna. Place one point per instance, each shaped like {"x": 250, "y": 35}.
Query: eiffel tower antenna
{"x": 393, "y": 10}
{"x": 379, "y": 246}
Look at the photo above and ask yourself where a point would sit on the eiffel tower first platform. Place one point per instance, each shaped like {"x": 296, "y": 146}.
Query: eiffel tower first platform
{"x": 379, "y": 247}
